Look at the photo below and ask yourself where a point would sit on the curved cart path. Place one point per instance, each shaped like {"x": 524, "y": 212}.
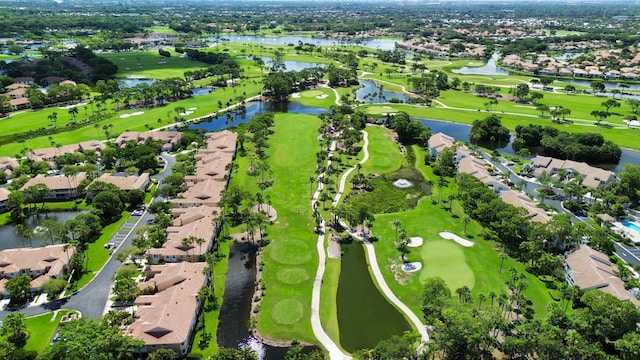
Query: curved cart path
{"x": 371, "y": 253}
{"x": 334, "y": 350}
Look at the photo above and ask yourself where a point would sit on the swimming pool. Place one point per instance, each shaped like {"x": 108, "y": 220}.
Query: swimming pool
{"x": 631, "y": 226}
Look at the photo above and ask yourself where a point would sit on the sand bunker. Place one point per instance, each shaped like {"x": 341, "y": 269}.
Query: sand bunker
{"x": 411, "y": 267}
{"x": 415, "y": 241}
{"x": 72, "y": 106}
{"x": 124, "y": 116}
{"x": 192, "y": 109}
{"x": 323, "y": 96}
{"x": 449, "y": 236}
{"x": 186, "y": 113}
{"x": 295, "y": 95}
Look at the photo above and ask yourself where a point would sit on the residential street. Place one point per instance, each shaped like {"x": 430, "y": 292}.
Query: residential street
{"x": 91, "y": 299}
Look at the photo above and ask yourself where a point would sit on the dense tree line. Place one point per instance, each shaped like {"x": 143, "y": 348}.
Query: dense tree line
{"x": 489, "y": 129}
{"x": 587, "y": 147}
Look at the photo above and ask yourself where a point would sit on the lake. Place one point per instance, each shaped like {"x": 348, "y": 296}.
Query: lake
{"x": 371, "y": 93}
{"x": 10, "y": 240}
{"x": 380, "y": 44}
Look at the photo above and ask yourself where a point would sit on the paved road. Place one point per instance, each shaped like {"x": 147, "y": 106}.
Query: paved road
{"x": 627, "y": 253}
{"x": 91, "y": 299}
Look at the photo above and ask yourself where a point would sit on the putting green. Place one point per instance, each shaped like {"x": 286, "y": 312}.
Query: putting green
{"x": 311, "y": 93}
{"x": 446, "y": 259}
{"x": 292, "y": 276}
{"x": 287, "y": 312}
{"x": 375, "y": 110}
{"x": 282, "y": 250}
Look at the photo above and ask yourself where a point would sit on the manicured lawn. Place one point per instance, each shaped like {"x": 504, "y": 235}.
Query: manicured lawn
{"x": 384, "y": 155}
{"x": 41, "y": 330}
{"x": 211, "y": 317}
{"x": 323, "y": 98}
{"x": 151, "y": 65}
{"x": 290, "y": 259}
{"x": 328, "y": 304}
{"x": 96, "y": 253}
{"x": 476, "y": 267}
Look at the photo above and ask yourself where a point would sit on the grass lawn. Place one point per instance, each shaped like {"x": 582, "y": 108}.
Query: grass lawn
{"x": 151, "y": 65}
{"x": 323, "y": 98}
{"x": 211, "y": 317}
{"x": 290, "y": 259}
{"x": 384, "y": 154}
{"x": 476, "y": 267}
{"x": 41, "y": 330}
{"x": 96, "y": 253}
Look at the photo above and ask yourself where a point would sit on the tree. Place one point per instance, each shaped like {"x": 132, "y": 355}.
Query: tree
{"x": 163, "y": 354}
{"x": 73, "y": 112}
{"x": 125, "y": 288}
{"x": 14, "y": 328}
{"x": 53, "y": 287}
{"x": 19, "y": 288}
{"x": 435, "y": 296}
{"x": 89, "y": 336}
{"x": 634, "y": 104}
{"x": 610, "y": 103}
{"x": 597, "y": 86}
{"x": 107, "y": 206}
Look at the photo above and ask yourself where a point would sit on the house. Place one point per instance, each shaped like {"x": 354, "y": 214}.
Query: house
{"x": 41, "y": 263}
{"x": 18, "y": 93}
{"x": 4, "y": 198}
{"x": 25, "y": 80}
{"x": 167, "y": 318}
{"x": 592, "y": 177}
{"x": 221, "y": 141}
{"x": 8, "y": 164}
{"x": 126, "y": 183}
{"x": 176, "y": 250}
{"x": 49, "y": 154}
{"x": 521, "y": 200}
{"x": 212, "y": 165}
{"x": 208, "y": 192}
{"x": 19, "y": 104}
{"x": 591, "y": 269}
{"x": 438, "y": 142}
{"x": 61, "y": 187}
{"x": 477, "y": 168}
{"x": 170, "y": 139}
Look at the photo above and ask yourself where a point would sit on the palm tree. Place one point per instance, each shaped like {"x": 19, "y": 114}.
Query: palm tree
{"x": 73, "y": 112}
{"x": 53, "y": 118}
{"x": 502, "y": 257}
{"x": 465, "y": 220}
{"x": 481, "y": 297}
{"x": 396, "y": 224}
{"x": 199, "y": 241}
{"x": 187, "y": 242}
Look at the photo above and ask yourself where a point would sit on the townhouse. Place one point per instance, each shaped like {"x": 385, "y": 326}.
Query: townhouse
{"x": 40, "y": 263}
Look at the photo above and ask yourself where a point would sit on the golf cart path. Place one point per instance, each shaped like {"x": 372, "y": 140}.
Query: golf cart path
{"x": 371, "y": 253}
{"x": 316, "y": 325}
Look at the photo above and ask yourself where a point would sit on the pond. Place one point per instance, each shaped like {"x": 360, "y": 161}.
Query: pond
{"x": 233, "y": 328}
{"x": 365, "y": 317}
{"x": 253, "y": 108}
{"x": 381, "y": 44}
{"x": 460, "y": 132}
{"x": 290, "y": 65}
{"x": 10, "y": 240}
{"x": 131, "y": 82}
{"x": 491, "y": 69}
{"x": 371, "y": 93}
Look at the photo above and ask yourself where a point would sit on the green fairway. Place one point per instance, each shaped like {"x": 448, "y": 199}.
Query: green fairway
{"x": 384, "y": 153}
{"x": 290, "y": 259}
{"x": 324, "y": 98}
{"x": 149, "y": 64}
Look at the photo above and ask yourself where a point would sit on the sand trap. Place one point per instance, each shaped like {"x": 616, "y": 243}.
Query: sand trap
{"x": 449, "y": 236}
{"x": 415, "y": 241}
{"x": 186, "y": 113}
{"x": 411, "y": 267}
{"x": 124, "y": 116}
{"x": 72, "y": 106}
{"x": 323, "y": 96}
{"x": 192, "y": 109}
{"x": 386, "y": 107}
{"x": 267, "y": 209}
{"x": 135, "y": 76}
{"x": 295, "y": 95}
{"x": 632, "y": 122}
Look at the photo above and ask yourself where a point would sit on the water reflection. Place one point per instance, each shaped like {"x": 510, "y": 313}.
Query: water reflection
{"x": 10, "y": 240}
{"x": 371, "y": 93}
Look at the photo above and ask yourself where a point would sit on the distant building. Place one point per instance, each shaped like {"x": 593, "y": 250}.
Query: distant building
{"x": 167, "y": 319}
{"x": 592, "y": 177}
{"x": 170, "y": 139}
{"x": 477, "y": 168}
{"x": 521, "y": 200}
{"x": 4, "y": 198}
